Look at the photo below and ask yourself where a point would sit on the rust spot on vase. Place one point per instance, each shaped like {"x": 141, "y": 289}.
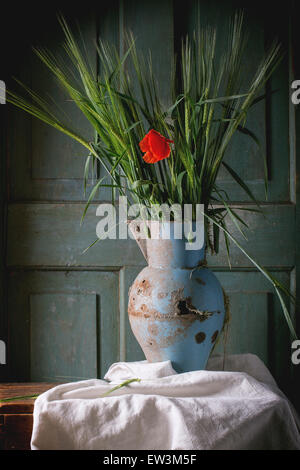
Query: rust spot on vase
{"x": 143, "y": 288}
{"x": 214, "y": 336}
{"x": 162, "y": 295}
{"x": 197, "y": 279}
{"x": 200, "y": 337}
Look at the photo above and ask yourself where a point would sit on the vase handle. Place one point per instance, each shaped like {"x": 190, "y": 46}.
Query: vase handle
{"x": 136, "y": 230}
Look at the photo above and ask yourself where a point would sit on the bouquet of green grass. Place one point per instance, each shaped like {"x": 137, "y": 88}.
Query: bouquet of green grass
{"x": 157, "y": 155}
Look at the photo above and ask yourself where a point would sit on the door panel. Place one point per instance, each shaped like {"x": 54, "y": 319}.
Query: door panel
{"x": 244, "y": 319}
{"x": 72, "y": 320}
{"x": 57, "y": 320}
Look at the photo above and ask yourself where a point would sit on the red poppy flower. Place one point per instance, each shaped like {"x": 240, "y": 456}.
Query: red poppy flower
{"x": 155, "y": 146}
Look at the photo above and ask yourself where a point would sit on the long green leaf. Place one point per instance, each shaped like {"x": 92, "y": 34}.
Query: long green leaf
{"x": 276, "y": 284}
{"x": 117, "y": 387}
{"x": 91, "y": 197}
{"x": 240, "y": 182}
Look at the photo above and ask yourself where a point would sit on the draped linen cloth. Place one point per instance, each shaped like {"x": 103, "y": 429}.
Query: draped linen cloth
{"x": 238, "y": 408}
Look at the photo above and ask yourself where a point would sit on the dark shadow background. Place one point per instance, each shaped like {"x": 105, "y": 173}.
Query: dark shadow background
{"x": 26, "y": 24}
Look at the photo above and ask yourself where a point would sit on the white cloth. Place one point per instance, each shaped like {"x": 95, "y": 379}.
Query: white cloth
{"x": 241, "y": 408}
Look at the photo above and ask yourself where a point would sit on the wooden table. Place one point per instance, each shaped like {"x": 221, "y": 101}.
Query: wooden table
{"x": 16, "y": 417}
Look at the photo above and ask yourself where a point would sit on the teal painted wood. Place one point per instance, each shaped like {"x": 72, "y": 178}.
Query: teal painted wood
{"x": 244, "y": 320}
{"x": 60, "y": 240}
{"x": 256, "y": 313}
{"x": 73, "y": 320}
{"x": 46, "y": 203}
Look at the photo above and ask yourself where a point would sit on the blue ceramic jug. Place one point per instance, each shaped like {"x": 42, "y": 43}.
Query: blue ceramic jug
{"x": 176, "y": 304}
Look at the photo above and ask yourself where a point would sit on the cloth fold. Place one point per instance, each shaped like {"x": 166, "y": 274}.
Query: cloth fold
{"x": 239, "y": 408}
{"x": 141, "y": 369}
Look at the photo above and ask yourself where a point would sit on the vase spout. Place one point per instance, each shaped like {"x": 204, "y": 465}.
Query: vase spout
{"x": 138, "y": 228}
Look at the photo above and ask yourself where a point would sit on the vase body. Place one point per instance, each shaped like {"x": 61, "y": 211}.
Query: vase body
{"x": 176, "y": 305}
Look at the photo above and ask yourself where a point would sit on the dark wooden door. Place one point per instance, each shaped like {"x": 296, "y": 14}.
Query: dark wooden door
{"x": 67, "y": 312}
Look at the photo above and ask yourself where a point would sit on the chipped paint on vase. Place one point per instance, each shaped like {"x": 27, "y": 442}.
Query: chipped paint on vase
{"x": 176, "y": 306}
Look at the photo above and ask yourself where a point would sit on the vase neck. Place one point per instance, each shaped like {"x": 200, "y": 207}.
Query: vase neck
{"x": 165, "y": 248}
{"x": 173, "y": 254}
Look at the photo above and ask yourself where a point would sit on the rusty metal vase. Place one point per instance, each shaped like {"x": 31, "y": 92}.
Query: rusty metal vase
{"x": 176, "y": 306}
